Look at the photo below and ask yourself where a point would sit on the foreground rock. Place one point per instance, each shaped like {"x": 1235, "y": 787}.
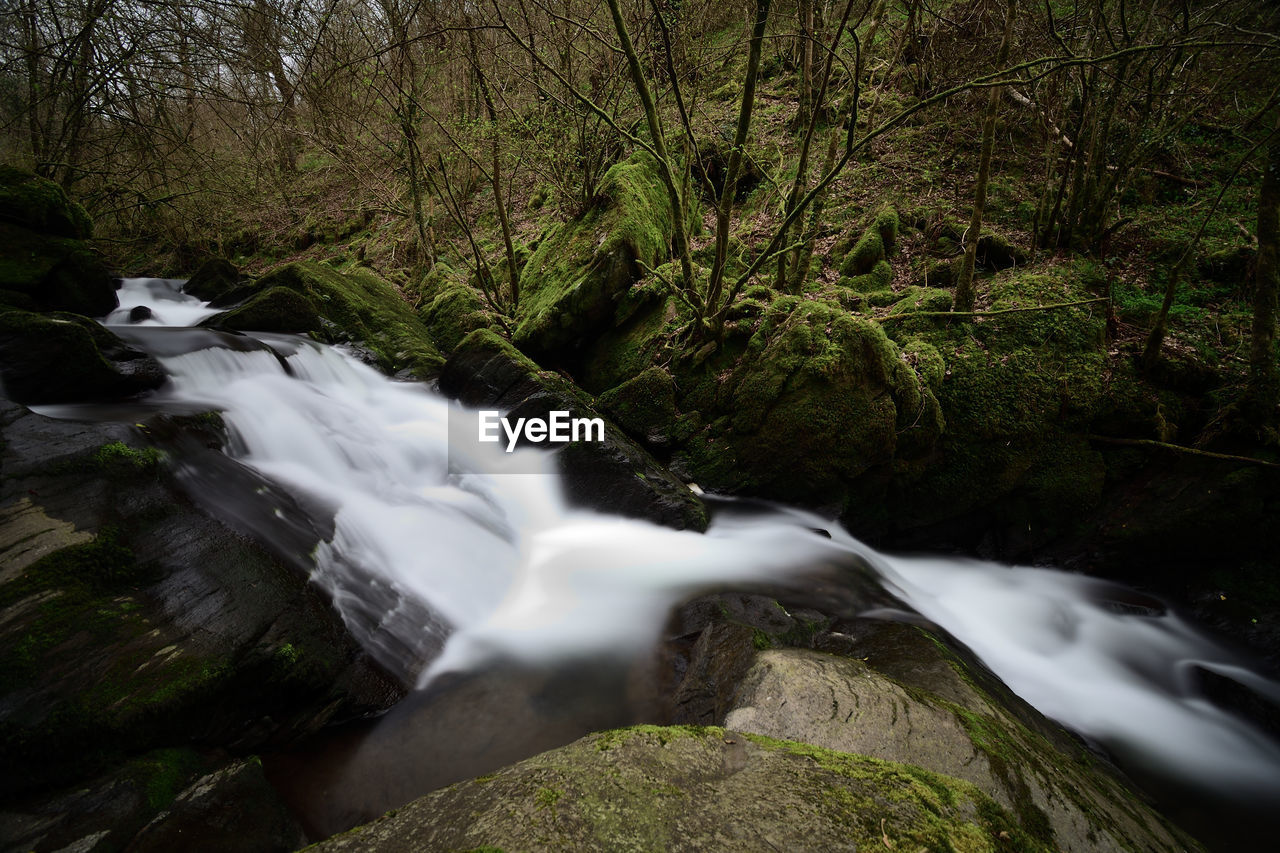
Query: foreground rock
{"x": 693, "y": 788}
{"x": 615, "y": 475}
{"x": 130, "y": 621}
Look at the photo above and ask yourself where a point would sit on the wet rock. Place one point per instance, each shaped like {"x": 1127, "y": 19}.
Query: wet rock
{"x": 65, "y": 357}
{"x": 233, "y": 809}
{"x": 130, "y": 620}
{"x": 925, "y": 711}
{"x": 139, "y": 313}
{"x": 214, "y": 278}
{"x": 614, "y": 475}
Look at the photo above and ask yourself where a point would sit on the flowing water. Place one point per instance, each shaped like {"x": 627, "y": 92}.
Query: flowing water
{"x": 452, "y": 576}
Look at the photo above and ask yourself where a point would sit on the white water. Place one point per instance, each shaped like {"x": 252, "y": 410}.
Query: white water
{"x": 498, "y": 567}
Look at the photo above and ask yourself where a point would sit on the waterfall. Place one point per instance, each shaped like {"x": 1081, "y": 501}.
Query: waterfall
{"x": 438, "y": 566}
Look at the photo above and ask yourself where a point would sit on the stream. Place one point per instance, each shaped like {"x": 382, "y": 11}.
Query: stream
{"x": 480, "y": 587}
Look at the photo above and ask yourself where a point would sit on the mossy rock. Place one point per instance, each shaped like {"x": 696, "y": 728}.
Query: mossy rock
{"x": 880, "y": 277}
{"x": 614, "y": 475}
{"x": 65, "y": 358}
{"x": 56, "y": 273}
{"x": 214, "y": 278}
{"x": 922, "y": 299}
{"x": 645, "y": 406}
{"x": 570, "y": 287}
{"x": 276, "y": 309}
{"x": 886, "y": 225}
{"x": 697, "y": 788}
{"x": 865, "y": 254}
{"x": 817, "y": 398}
{"x": 338, "y": 306}
{"x": 450, "y": 308}
{"x": 40, "y": 205}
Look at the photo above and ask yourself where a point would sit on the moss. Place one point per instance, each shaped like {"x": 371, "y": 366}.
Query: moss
{"x": 886, "y": 225}
{"x": 644, "y": 406}
{"x": 817, "y": 398}
{"x": 57, "y": 273}
{"x": 349, "y": 305}
{"x": 571, "y": 285}
{"x": 52, "y": 359}
{"x": 865, "y": 254}
{"x": 877, "y": 279}
{"x": 41, "y": 205}
{"x": 922, "y": 299}
{"x": 164, "y": 773}
{"x": 214, "y": 278}
{"x": 927, "y": 361}
{"x": 450, "y": 308}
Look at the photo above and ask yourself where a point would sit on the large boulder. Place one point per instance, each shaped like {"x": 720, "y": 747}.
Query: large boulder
{"x": 57, "y": 358}
{"x": 450, "y": 307}
{"x": 816, "y": 399}
{"x": 349, "y": 306}
{"x": 694, "y": 788}
{"x": 214, "y": 278}
{"x": 44, "y": 262}
{"x": 570, "y": 287}
{"x": 130, "y": 620}
{"x": 614, "y": 475}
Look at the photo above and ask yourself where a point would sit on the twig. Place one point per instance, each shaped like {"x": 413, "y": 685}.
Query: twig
{"x": 1178, "y": 448}
{"x": 907, "y": 314}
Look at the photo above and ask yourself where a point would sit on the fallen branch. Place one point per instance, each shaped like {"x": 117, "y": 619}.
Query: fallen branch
{"x": 907, "y": 314}
{"x": 1178, "y": 448}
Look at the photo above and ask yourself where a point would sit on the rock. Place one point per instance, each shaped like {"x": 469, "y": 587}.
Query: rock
{"x": 645, "y": 406}
{"x": 451, "y": 308}
{"x": 570, "y": 287}
{"x": 43, "y": 256}
{"x": 233, "y": 809}
{"x": 614, "y": 475}
{"x": 131, "y": 620}
{"x": 139, "y": 313}
{"x": 816, "y": 399}
{"x": 354, "y": 306}
{"x": 692, "y": 788}
{"x": 40, "y": 205}
{"x": 214, "y": 278}
{"x": 66, "y": 358}
{"x": 930, "y": 714}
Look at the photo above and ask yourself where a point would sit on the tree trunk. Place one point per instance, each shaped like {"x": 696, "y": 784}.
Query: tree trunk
{"x": 1263, "y": 391}
{"x": 964, "y": 295}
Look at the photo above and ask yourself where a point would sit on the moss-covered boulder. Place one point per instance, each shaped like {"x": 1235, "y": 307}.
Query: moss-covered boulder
{"x": 59, "y": 358}
{"x": 817, "y": 398}
{"x": 645, "y": 406}
{"x": 40, "y": 205}
{"x": 450, "y": 307}
{"x": 571, "y": 285}
{"x": 353, "y": 305}
{"x": 214, "y": 278}
{"x": 614, "y": 475}
{"x": 939, "y": 719}
{"x": 691, "y": 788}
{"x": 44, "y": 262}
{"x": 1019, "y": 391}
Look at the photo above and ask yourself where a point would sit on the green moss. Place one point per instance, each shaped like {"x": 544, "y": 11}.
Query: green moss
{"x": 164, "y": 773}
{"x": 41, "y": 205}
{"x": 645, "y": 406}
{"x": 450, "y": 308}
{"x": 878, "y": 279}
{"x": 58, "y": 273}
{"x": 214, "y": 278}
{"x": 571, "y": 285}
{"x": 349, "y": 305}
{"x": 52, "y": 359}
{"x": 886, "y": 225}
{"x": 865, "y": 254}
